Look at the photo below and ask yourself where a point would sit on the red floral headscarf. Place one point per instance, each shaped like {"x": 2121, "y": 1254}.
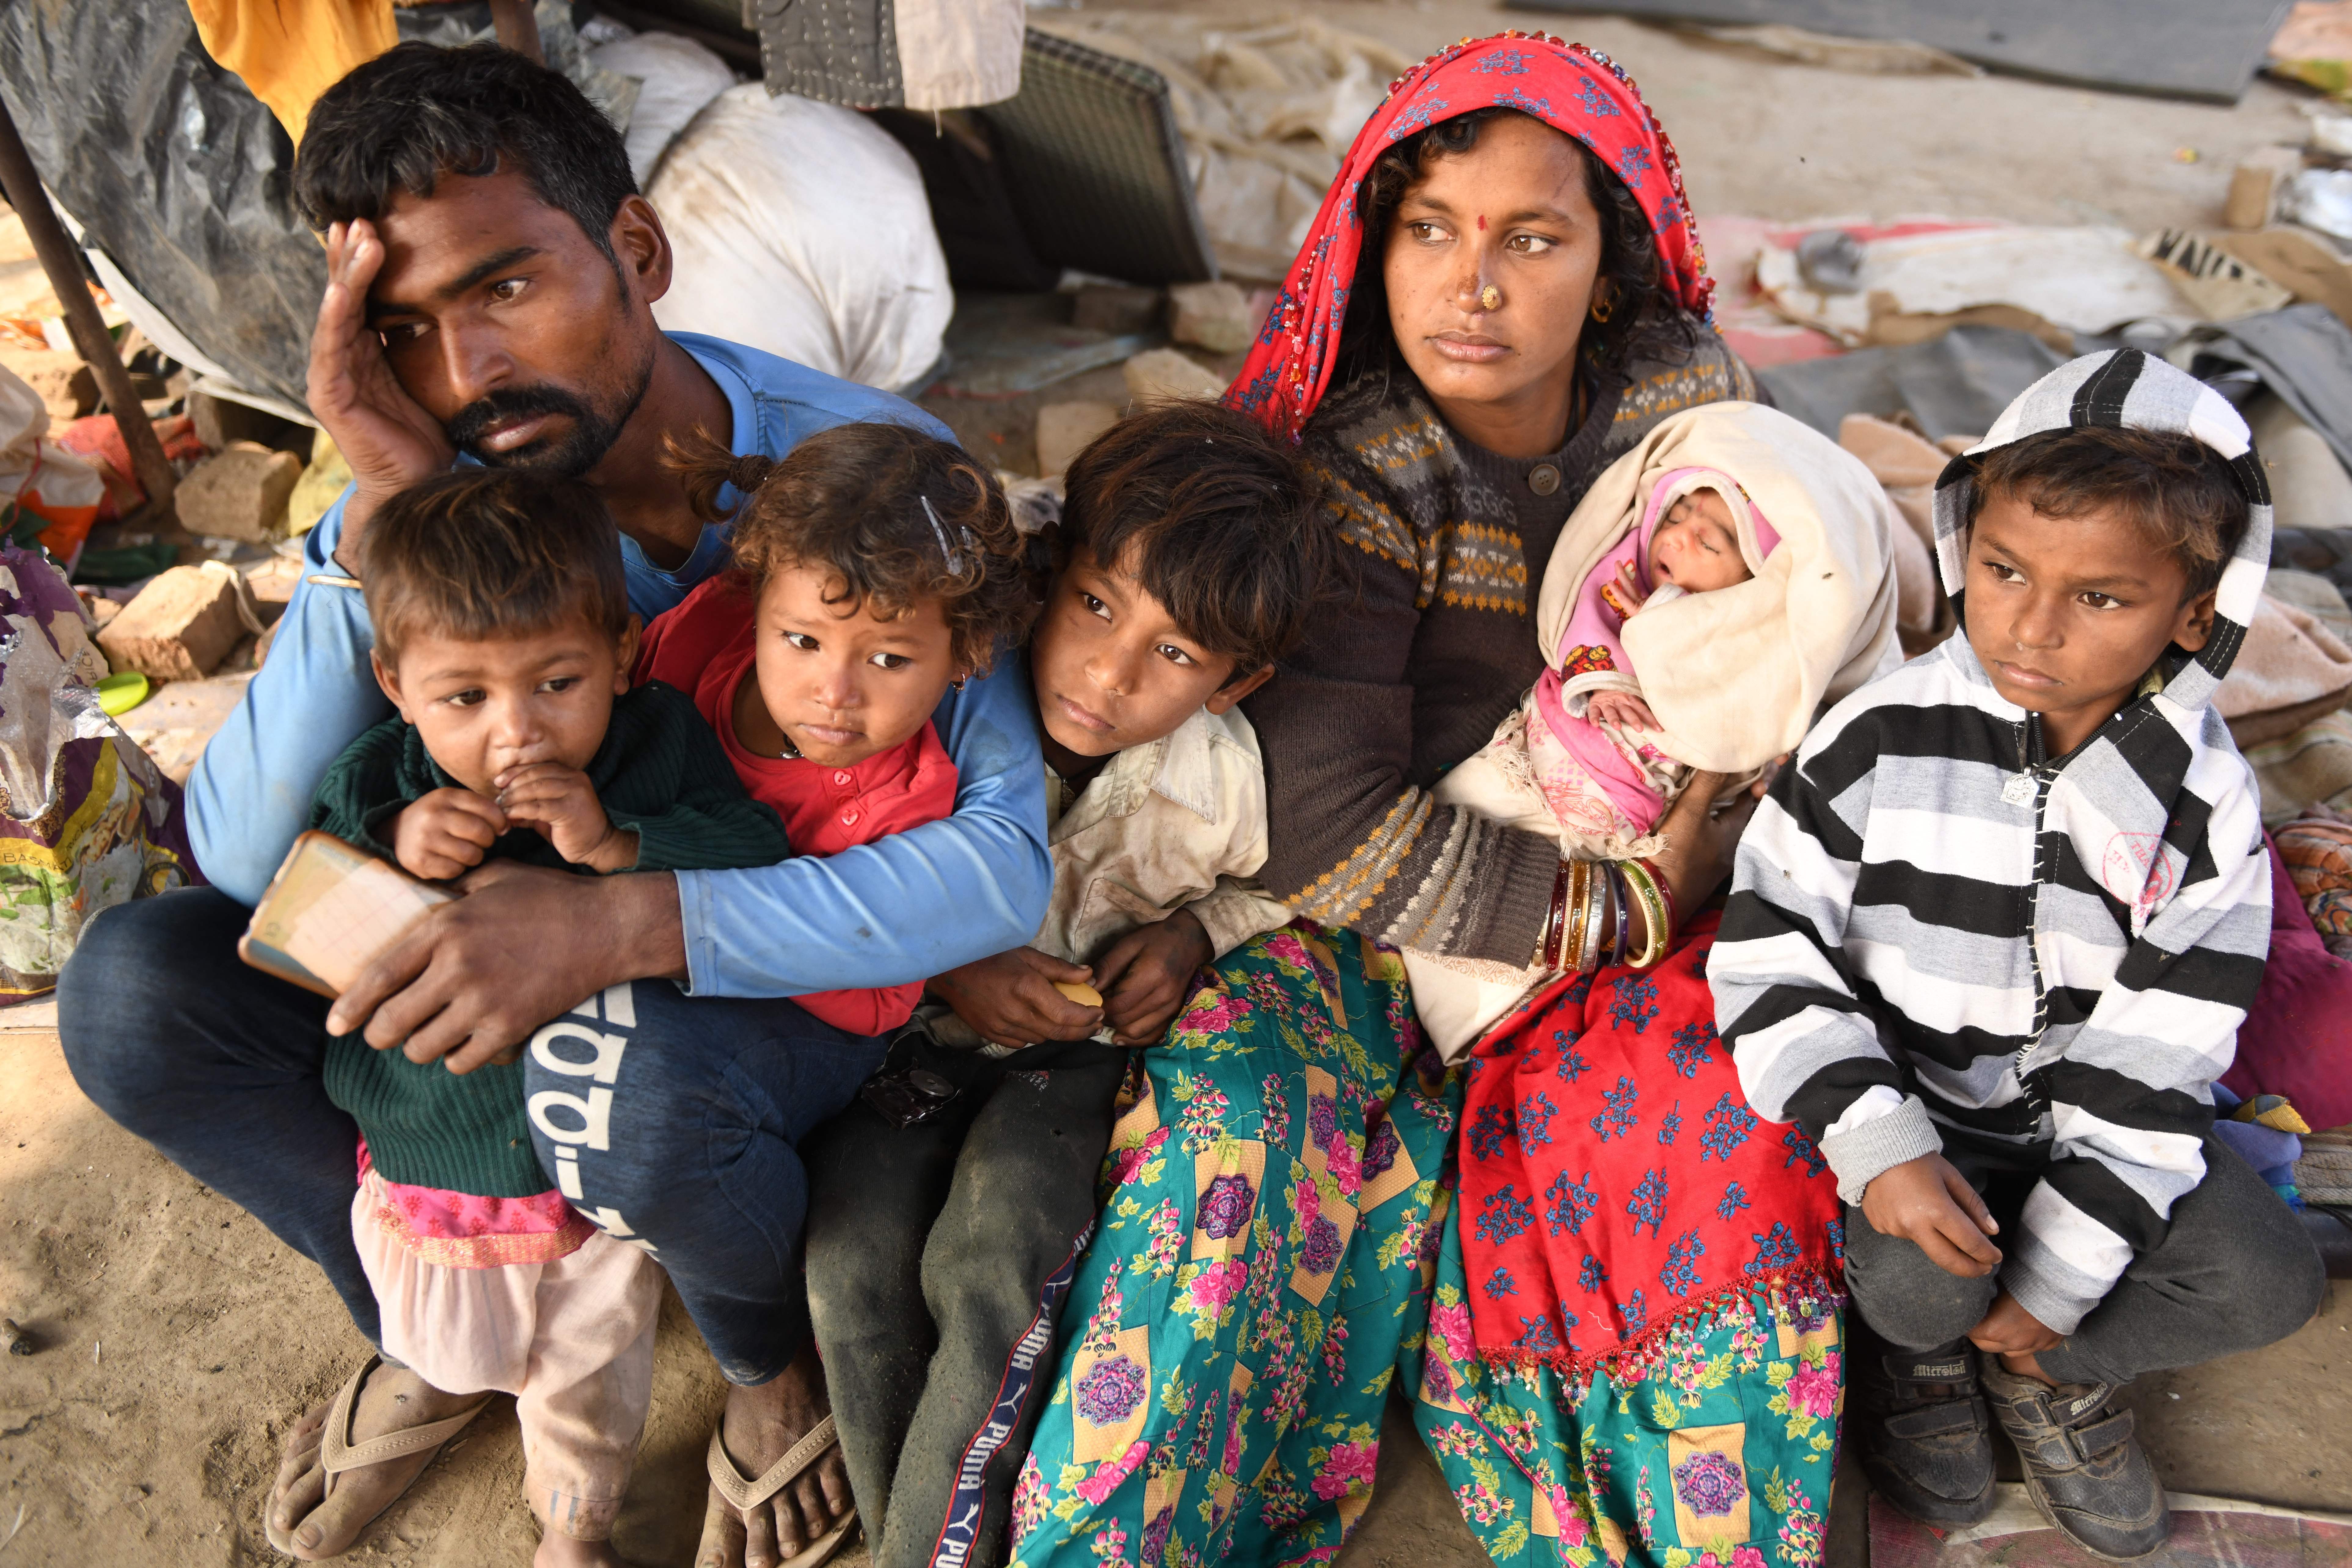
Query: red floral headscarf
{"x": 1579, "y": 91}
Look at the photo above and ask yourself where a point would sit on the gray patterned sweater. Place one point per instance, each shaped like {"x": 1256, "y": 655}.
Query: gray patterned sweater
{"x": 1437, "y": 645}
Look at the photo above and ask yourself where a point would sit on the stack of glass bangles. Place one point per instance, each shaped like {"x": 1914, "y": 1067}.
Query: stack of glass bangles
{"x": 1591, "y": 896}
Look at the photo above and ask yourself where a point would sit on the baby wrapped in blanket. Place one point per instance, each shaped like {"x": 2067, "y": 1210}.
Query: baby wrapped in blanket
{"x": 1719, "y": 585}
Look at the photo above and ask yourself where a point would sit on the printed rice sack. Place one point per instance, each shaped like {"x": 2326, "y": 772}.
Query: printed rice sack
{"x": 86, "y": 820}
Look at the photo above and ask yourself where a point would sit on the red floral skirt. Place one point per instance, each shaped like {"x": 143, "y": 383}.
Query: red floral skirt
{"x": 1614, "y": 1180}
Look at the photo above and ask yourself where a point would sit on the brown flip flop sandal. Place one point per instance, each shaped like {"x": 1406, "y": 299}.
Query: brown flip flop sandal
{"x": 744, "y": 1495}
{"x": 339, "y": 1455}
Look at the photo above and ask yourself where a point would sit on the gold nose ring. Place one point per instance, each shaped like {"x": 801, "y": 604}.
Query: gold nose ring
{"x": 1489, "y": 298}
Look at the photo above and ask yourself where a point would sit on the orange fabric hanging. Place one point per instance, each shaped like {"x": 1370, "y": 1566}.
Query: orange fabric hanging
{"x": 288, "y": 55}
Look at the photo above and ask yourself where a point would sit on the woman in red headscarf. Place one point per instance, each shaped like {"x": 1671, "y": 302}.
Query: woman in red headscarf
{"x": 1503, "y": 292}
{"x": 1633, "y": 1344}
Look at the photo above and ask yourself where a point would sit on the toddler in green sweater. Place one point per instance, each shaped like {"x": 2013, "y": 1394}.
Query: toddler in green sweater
{"x": 504, "y": 638}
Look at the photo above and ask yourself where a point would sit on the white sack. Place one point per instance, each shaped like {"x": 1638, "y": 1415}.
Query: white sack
{"x": 802, "y": 228}
{"x": 675, "y": 77}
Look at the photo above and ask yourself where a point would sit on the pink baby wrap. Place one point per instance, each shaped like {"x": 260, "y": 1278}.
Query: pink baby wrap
{"x": 1570, "y": 752}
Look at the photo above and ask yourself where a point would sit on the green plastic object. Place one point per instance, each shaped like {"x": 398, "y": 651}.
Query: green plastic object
{"x": 131, "y": 563}
{"x": 119, "y": 694}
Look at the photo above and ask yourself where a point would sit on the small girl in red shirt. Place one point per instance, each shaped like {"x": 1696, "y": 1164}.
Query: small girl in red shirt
{"x": 873, "y": 567}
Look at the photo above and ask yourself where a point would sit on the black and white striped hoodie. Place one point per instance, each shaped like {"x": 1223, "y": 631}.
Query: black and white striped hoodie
{"x": 1937, "y": 936}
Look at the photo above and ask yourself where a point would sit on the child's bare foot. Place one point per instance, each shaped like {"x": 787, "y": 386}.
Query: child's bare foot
{"x": 759, "y": 1428}
{"x": 563, "y": 1552}
{"x": 311, "y": 1525}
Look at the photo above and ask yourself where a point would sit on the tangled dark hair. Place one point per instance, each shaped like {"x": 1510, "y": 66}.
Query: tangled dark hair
{"x": 2173, "y": 489}
{"x": 480, "y": 554}
{"x": 1215, "y": 518}
{"x": 850, "y": 503}
{"x": 418, "y": 112}
{"x": 1643, "y": 322}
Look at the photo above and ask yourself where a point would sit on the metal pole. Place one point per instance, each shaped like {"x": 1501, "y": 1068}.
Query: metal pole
{"x": 62, "y": 262}
{"x": 518, "y": 28}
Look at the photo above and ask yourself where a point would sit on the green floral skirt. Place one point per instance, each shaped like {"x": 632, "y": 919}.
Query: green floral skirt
{"x": 1276, "y": 1206}
{"x": 1266, "y": 1239}
{"x": 1715, "y": 1451}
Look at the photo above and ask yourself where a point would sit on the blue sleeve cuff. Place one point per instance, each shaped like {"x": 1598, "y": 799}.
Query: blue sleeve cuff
{"x": 694, "y": 918}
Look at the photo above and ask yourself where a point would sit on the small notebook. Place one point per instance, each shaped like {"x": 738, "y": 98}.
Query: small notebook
{"x": 330, "y": 911}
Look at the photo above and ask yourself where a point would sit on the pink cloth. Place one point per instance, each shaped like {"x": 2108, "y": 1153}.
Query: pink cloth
{"x": 2297, "y": 1037}
{"x": 1593, "y": 645}
{"x": 572, "y": 1340}
{"x": 461, "y": 1230}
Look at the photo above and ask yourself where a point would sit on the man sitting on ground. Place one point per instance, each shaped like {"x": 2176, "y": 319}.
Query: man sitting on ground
{"x": 491, "y": 273}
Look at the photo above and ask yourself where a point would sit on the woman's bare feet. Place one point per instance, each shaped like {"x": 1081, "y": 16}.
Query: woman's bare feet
{"x": 392, "y": 1400}
{"x": 563, "y": 1551}
{"x": 759, "y": 1428}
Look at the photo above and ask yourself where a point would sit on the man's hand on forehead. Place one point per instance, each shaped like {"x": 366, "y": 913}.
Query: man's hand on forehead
{"x": 386, "y": 437}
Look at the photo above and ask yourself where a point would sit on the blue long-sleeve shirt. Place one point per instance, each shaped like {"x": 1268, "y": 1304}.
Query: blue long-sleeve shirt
{"x": 905, "y": 908}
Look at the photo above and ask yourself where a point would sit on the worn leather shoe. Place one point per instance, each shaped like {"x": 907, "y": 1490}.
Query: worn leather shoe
{"x": 1926, "y": 1441}
{"x": 2086, "y": 1474}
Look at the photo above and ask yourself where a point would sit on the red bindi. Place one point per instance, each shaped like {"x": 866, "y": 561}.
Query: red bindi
{"x": 1482, "y": 223}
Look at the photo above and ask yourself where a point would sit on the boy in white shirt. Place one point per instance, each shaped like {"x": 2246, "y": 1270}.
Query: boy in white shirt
{"x": 949, "y": 1206}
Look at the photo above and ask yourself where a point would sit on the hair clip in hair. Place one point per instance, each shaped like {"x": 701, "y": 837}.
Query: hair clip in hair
{"x": 955, "y": 561}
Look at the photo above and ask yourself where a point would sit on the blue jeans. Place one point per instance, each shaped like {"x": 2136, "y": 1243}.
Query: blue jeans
{"x": 672, "y": 1122}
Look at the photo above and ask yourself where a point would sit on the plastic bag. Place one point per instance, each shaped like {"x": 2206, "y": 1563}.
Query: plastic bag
{"x": 182, "y": 177}
{"x": 60, "y": 490}
{"x": 86, "y": 820}
{"x": 452, "y": 27}
{"x": 802, "y": 228}
{"x": 675, "y": 77}
{"x": 2321, "y": 199}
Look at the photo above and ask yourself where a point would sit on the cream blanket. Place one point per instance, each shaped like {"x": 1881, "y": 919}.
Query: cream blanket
{"x": 2292, "y": 669}
{"x": 1736, "y": 676}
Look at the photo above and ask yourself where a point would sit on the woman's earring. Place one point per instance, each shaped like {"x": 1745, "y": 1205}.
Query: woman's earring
{"x": 1604, "y": 303}
{"x": 958, "y": 683}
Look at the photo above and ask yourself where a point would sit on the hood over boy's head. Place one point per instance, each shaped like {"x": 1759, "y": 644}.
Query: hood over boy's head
{"x": 514, "y": 298}
{"x": 2121, "y": 466}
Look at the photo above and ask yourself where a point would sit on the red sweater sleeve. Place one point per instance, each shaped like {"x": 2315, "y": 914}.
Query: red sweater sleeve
{"x": 929, "y": 796}
{"x": 875, "y": 1012}
{"x": 680, "y": 642}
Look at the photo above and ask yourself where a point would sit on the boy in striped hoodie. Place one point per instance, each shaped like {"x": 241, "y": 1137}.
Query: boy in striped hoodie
{"x": 1989, "y": 943}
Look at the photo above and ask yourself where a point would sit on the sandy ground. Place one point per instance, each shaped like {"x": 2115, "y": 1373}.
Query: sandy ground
{"x": 177, "y": 1337}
